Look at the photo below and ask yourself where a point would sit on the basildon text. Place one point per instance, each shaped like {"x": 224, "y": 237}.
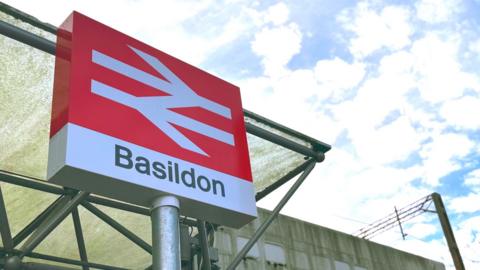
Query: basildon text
{"x": 171, "y": 171}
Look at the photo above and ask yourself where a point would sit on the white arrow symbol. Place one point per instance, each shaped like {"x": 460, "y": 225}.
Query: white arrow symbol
{"x": 157, "y": 108}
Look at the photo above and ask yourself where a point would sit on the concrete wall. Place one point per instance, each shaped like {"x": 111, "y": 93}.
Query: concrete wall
{"x": 293, "y": 244}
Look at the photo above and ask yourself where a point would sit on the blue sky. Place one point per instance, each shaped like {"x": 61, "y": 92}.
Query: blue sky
{"x": 393, "y": 85}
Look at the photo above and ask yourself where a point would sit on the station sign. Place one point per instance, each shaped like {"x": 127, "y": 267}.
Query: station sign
{"x": 133, "y": 123}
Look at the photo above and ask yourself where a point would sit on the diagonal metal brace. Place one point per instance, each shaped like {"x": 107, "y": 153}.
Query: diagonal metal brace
{"x": 33, "y": 225}
{"x": 4, "y": 226}
{"x": 119, "y": 227}
{"x": 80, "y": 240}
{"x": 51, "y": 223}
{"x": 287, "y": 177}
{"x": 270, "y": 219}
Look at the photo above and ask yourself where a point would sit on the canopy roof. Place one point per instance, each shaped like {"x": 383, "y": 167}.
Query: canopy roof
{"x": 26, "y": 78}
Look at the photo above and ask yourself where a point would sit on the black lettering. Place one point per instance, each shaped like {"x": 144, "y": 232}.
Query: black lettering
{"x": 159, "y": 170}
{"x": 177, "y": 177}
{"x": 188, "y": 178}
{"x": 199, "y": 183}
{"x": 143, "y": 165}
{"x": 173, "y": 172}
{"x": 170, "y": 171}
{"x": 126, "y": 156}
{"x": 222, "y": 188}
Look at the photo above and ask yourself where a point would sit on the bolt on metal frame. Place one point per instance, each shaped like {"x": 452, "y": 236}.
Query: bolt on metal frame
{"x": 69, "y": 200}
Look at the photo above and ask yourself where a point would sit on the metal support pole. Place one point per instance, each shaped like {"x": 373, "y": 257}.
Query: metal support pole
{"x": 282, "y": 141}
{"x": 4, "y": 226}
{"x": 26, "y": 37}
{"x": 80, "y": 240}
{"x": 166, "y": 233}
{"x": 202, "y": 231}
{"x": 287, "y": 177}
{"x": 29, "y": 182}
{"x": 400, "y": 223}
{"x": 17, "y": 14}
{"x": 47, "y": 227}
{"x": 272, "y": 217}
{"x": 447, "y": 231}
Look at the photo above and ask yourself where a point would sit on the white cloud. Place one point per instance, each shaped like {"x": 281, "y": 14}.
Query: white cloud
{"x": 387, "y": 144}
{"x": 287, "y": 99}
{"x": 422, "y": 230}
{"x": 160, "y": 24}
{"x": 438, "y": 69}
{"x": 389, "y": 28}
{"x": 437, "y": 11}
{"x": 337, "y": 76}
{"x": 472, "y": 180}
{"x": 277, "y": 14}
{"x": 467, "y": 235}
{"x": 462, "y": 113}
{"x": 466, "y": 204}
{"x": 377, "y": 119}
{"x": 434, "y": 250}
{"x": 441, "y": 155}
{"x": 277, "y": 45}
{"x": 474, "y": 46}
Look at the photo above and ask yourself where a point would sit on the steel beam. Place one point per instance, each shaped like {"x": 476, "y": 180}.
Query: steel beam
{"x": 51, "y": 223}
{"x": 282, "y": 141}
{"x": 41, "y": 266}
{"x": 263, "y": 193}
{"x": 26, "y": 37}
{"x": 80, "y": 240}
{"x": 448, "y": 232}
{"x": 317, "y": 145}
{"x": 29, "y": 182}
{"x": 33, "y": 225}
{"x": 117, "y": 226}
{"x": 17, "y": 14}
{"x": 259, "y": 232}
{"x": 64, "y": 260}
{"x": 71, "y": 261}
{"x": 119, "y": 205}
{"x": 4, "y": 225}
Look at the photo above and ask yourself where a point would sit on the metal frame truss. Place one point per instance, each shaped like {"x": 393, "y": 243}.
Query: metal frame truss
{"x": 68, "y": 202}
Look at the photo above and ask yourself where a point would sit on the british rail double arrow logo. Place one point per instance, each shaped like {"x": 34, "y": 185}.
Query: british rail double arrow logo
{"x": 157, "y": 108}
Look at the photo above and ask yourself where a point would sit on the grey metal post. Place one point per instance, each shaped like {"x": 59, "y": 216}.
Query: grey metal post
{"x": 272, "y": 217}
{"x": 448, "y": 232}
{"x": 166, "y": 233}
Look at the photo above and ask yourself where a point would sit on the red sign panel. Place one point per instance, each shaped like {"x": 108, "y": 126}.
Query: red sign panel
{"x": 164, "y": 121}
